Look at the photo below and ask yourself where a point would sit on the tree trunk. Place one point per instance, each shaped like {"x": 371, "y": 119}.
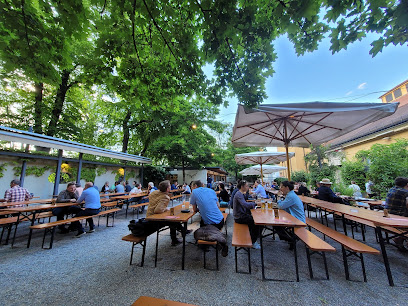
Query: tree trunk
{"x": 59, "y": 103}
{"x": 184, "y": 172}
{"x": 39, "y": 87}
{"x": 126, "y": 132}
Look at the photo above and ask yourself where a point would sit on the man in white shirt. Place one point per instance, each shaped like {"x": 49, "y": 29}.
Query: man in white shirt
{"x": 356, "y": 190}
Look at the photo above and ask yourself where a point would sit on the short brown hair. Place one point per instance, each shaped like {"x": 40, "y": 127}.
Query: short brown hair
{"x": 197, "y": 183}
{"x": 164, "y": 185}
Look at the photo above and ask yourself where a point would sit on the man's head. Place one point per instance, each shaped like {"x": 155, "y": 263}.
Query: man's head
{"x": 14, "y": 183}
{"x": 257, "y": 182}
{"x": 106, "y": 183}
{"x": 222, "y": 186}
{"x": 243, "y": 186}
{"x": 151, "y": 184}
{"x": 286, "y": 186}
{"x": 88, "y": 185}
{"x": 164, "y": 186}
{"x": 326, "y": 182}
{"x": 71, "y": 187}
{"x": 353, "y": 182}
{"x": 196, "y": 184}
{"x": 139, "y": 186}
{"x": 401, "y": 182}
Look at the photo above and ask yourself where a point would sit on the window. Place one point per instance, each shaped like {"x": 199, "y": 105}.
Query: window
{"x": 397, "y": 93}
{"x": 388, "y": 97}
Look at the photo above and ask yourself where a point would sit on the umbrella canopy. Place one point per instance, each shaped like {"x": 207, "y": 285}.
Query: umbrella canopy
{"x": 261, "y": 158}
{"x": 303, "y": 124}
{"x": 266, "y": 169}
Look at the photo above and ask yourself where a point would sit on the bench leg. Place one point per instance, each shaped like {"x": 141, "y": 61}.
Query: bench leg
{"x": 131, "y": 254}
{"x": 236, "y": 260}
{"x": 363, "y": 231}
{"x": 9, "y": 228}
{"x": 15, "y": 230}
{"x": 296, "y": 259}
{"x": 249, "y": 260}
{"x": 157, "y": 246}
{"x": 216, "y": 255}
{"x": 385, "y": 256}
{"x": 204, "y": 259}
{"x": 143, "y": 252}
{"x": 346, "y": 270}
{"x": 309, "y": 263}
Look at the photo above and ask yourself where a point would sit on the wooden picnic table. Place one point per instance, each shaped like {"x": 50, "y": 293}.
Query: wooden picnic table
{"x": 376, "y": 217}
{"x": 112, "y": 194}
{"x": 41, "y": 201}
{"x": 178, "y": 217}
{"x": 266, "y": 218}
{"x": 149, "y": 301}
{"x": 29, "y": 213}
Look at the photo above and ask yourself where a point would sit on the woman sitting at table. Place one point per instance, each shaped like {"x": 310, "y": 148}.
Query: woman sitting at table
{"x": 223, "y": 196}
{"x": 242, "y": 212}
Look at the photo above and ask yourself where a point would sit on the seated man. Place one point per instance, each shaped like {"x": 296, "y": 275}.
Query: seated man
{"x": 92, "y": 206}
{"x": 397, "y": 203}
{"x": 120, "y": 188}
{"x": 186, "y": 189}
{"x": 16, "y": 193}
{"x": 291, "y": 204}
{"x": 259, "y": 190}
{"x": 242, "y": 212}
{"x": 158, "y": 202}
{"x": 65, "y": 196}
{"x": 326, "y": 194}
{"x": 303, "y": 189}
{"x": 356, "y": 190}
{"x": 204, "y": 200}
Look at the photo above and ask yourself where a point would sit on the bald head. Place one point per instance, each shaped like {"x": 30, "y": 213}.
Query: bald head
{"x": 88, "y": 184}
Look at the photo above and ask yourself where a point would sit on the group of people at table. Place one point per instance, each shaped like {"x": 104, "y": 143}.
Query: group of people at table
{"x": 206, "y": 201}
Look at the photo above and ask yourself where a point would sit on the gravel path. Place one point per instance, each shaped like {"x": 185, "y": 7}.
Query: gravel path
{"x": 94, "y": 270}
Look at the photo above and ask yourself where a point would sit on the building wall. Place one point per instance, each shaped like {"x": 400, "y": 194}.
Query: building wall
{"x": 297, "y": 162}
{"x": 350, "y": 151}
{"x": 191, "y": 175}
{"x": 392, "y": 96}
{"x": 40, "y": 186}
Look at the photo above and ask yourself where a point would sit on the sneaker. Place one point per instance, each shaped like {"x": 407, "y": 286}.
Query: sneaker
{"x": 91, "y": 231}
{"x": 176, "y": 242}
{"x": 224, "y": 251}
{"x": 256, "y": 245}
{"x": 79, "y": 235}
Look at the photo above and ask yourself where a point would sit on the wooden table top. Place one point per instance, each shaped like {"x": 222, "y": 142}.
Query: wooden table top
{"x": 178, "y": 215}
{"x": 267, "y": 217}
{"x": 41, "y": 201}
{"x": 149, "y": 301}
{"x": 377, "y": 217}
{"x": 39, "y": 207}
{"x": 126, "y": 197}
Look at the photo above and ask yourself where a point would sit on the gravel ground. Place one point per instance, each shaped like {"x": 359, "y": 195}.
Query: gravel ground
{"x": 94, "y": 270}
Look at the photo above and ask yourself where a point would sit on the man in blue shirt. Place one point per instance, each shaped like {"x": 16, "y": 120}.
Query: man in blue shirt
{"x": 293, "y": 205}
{"x": 92, "y": 206}
{"x": 259, "y": 190}
{"x": 205, "y": 201}
{"x": 119, "y": 187}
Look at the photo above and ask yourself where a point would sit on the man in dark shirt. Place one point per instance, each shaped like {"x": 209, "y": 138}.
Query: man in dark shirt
{"x": 396, "y": 201}
{"x": 68, "y": 195}
{"x": 326, "y": 194}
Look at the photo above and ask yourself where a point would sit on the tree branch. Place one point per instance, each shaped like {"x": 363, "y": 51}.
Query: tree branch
{"x": 133, "y": 35}
{"x": 134, "y": 125}
{"x": 25, "y": 24}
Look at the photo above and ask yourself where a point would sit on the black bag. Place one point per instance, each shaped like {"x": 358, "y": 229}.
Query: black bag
{"x": 141, "y": 228}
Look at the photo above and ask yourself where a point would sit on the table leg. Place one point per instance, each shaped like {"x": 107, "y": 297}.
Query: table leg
{"x": 15, "y": 229}
{"x": 294, "y": 240}
{"x": 262, "y": 258}
{"x": 344, "y": 224}
{"x": 184, "y": 244}
{"x": 31, "y": 230}
{"x": 385, "y": 256}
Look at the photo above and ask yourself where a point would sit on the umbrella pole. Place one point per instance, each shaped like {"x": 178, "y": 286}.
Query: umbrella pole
{"x": 287, "y": 159}
{"x": 261, "y": 174}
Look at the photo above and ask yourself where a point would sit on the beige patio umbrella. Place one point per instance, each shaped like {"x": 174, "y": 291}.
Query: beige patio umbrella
{"x": 303, "y": 124}
{"x": 261, "y": 170}
{"x": 262, "y": 158}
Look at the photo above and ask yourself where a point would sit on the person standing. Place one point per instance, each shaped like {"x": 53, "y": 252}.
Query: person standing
{"x": 16, "y": 193}
{"x": 368, "y": 186}
{"x": 65, "y": 196}
{"x": 356, "y": 190}
{"x": 242, "y": 212}
{"x": 92, "y": 207}
{"x": 205, "y": 201}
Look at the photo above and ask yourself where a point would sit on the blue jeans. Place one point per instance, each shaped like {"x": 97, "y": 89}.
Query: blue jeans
{"x": 85, "y": 212}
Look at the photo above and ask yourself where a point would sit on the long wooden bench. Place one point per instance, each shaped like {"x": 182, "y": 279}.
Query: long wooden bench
{"x": 149, "y": 301}
{"x": 7, "y": 223}
{"x": 107, "y": 213}
{"x": 349, "y": 246}
{"x": 316, "y": 246}
{"x": 137, "y": 206}
{"x": 51, "y": 226}
{"x": 213, "y": 244}
{"x": 135, "y": 241}
{"x": 241, "y": 240}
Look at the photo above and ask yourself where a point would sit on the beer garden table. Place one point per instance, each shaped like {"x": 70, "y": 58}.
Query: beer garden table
{"x": 376, "y": 217}
{"x": 178, "y": 217}
{"x": 266, "y": 218}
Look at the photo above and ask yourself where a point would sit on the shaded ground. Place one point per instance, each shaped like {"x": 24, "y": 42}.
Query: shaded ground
{"x": 95, "y": 270}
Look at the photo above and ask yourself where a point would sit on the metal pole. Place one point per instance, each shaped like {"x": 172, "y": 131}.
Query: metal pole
{"x": 22, "y": 175}
{"x": 58, "y": 173}
{"x": 287, "y": 149}
{"x": 78, "y": 179}
{"x": 141, "y": 175}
